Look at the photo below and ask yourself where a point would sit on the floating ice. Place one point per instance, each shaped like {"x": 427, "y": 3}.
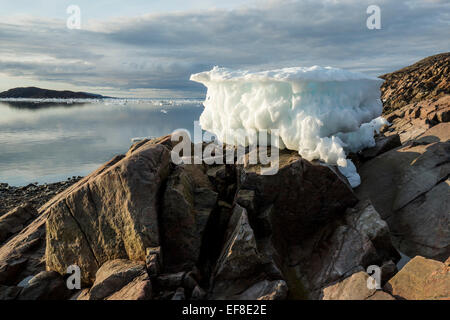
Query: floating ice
{"x": 321, "y": 112}
{"x": 110, "y": 101}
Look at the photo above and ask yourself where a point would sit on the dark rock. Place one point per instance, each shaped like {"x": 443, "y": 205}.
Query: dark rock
{"x": 187, "y": 204}
{"x": 153, "y": 261}
{"x": 179, "y": 294}
{"x": 198, "y": 293}
{"x": 15, "y": 220}
{"x": 46, "y": 285}
{"x": 405, "y": 183}
{"x": 366, "y": 220}
{"x": 388, "y": 270}
{"x": 383, "y": 144}
{"x": 171, "y": 281}
{"x": 138, "y": 289}
{"x": 9, "y": 270}
{"x": 9, "y": 292}
{"x": 239, "y": 261}
{"x": 265, "y": 290}
{"x": 312, "y": 195}
{"x": 115, "y": 275}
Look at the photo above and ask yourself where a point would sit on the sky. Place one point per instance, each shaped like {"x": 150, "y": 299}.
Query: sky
{"x": 142, "y": 48}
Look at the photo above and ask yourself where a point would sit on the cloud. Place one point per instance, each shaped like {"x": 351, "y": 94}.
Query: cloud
{"x": 160, "y": 51}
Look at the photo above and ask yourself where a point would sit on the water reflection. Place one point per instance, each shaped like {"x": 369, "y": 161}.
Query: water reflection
{"x": 51, "y": 143}
{"x": 40, "y": 105}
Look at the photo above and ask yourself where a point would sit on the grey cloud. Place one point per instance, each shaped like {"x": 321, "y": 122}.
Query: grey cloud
{"x": 161, "y": 51}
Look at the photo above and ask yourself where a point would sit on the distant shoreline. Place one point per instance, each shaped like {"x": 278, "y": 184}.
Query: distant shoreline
{"x": 39, "y": 93}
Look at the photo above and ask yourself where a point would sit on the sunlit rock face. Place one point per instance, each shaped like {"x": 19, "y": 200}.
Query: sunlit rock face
{"x": 321, "y": 112}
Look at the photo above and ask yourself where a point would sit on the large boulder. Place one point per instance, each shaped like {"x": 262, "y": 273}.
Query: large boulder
{"x": 302, "y": 228}
{"x": 110, "y": 214}
{"x": 409, "y": 187}
{"x": 303, "y": 195}
{"x": 337, "y": 250}
{"x": 421, "y": 279}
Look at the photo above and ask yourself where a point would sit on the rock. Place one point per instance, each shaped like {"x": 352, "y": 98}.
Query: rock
{"x": 238, "y": 263}
{"x": 138, "y": 289}
{"x": 239, "y": 256}
{"x": 111, "y": 214}
{"x": 9, "y": 292}
{"x": 10, "y": 270}
{"x": 331, "y": 255}
{"x": 409, "y": 187}
{"x": 179, "y": 294}
{"x": 187, "y": 205}
{"x": 336, "y": 251}
{"x": 388, "y": 270}
{"x": 198, "y": 293}
{"x": 46, "y": 285}
{"x": 414, "y": 119}
{"x": 34, "y": 194}
{"x": 421, "y": 279}
{"x": 153, "y": 261}
{"x": 189, "y": 282}
{"x": 366, "y": 220}
{"x": 312, "y": 195}
{"x": 82, "y": 294}
{"x": 383, "y": 144}
{"x": 115, "y": 275}
{"x": 354, "y": 288}
{"x": 15, "y": 220}
{"x": 246, "y": 199}
{"x": 426, "y": 79}
{"x": 223, "y": 178}
{"x": 265, "y": 290}
{"x": 171, "y": 281}
{"x": 381, "y": 295}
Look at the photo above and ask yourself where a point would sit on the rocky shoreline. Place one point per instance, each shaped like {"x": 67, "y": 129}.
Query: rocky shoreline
{"x": 141, "y": 227}
{"x": 35, "y": 194}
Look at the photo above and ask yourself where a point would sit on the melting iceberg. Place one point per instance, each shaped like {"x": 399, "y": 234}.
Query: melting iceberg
{"x": 322, "y": 112}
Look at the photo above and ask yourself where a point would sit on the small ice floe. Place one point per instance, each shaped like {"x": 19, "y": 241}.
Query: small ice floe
{"x": 164, "y": 111}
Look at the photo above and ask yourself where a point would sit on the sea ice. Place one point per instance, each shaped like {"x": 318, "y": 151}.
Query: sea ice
{"x": 322, "y": 112}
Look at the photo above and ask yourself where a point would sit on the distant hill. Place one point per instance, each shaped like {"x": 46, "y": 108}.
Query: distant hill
{"x": 38, "y": 93}
{"x": 427, "y": 79}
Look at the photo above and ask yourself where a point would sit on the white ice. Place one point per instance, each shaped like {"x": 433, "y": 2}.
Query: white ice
{"x": 322, "y": 112}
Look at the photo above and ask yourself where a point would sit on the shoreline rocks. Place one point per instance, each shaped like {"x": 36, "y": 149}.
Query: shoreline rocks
{"x": 35, "y": 194}
{"x": 141, "y": 227}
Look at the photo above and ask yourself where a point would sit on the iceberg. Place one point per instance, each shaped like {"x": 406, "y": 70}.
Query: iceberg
{"x": 322, "y": 112}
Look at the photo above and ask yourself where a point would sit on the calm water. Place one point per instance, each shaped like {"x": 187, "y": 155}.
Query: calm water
{"x": 51, "y": 142}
